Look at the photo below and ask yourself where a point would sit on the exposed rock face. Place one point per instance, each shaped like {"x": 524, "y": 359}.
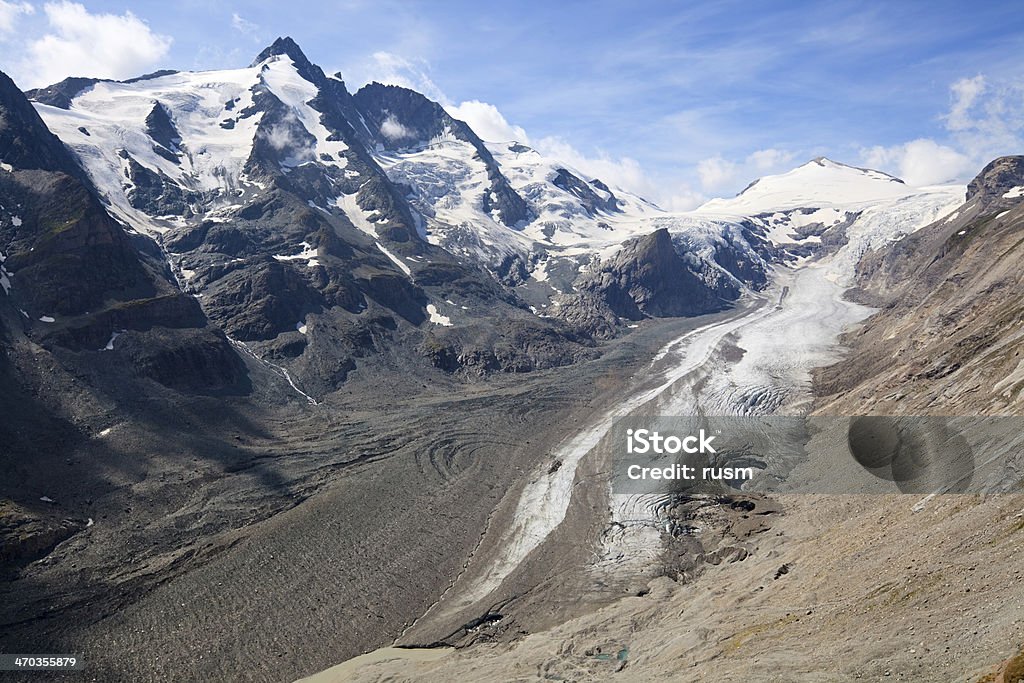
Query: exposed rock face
{"x": 648, "y": 279}
{"x": 286, "y": 47}
{"x": 27, "y": 536}
{"x": 997, "y": 179}
{"x": 62, "y": 94}
{"x": 163, "y": 131}
{"x": 25, "y": 141}
{"x": 591, "y": 200}
{"x": 75, "y": 277}
{"x": 309, "y": 251}
{"x": 952, "y": 305}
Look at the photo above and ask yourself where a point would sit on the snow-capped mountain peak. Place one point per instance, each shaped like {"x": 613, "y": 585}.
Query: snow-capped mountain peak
{"x": 174, "y": 152}
{"x": 819, "y": 182}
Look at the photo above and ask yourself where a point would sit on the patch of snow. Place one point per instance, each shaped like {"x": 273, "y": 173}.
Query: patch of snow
{"x": 301, "y": 326}
{"x": 6, "y": 167}
{"x": 817, "y": 183}
{"x": 5, "y": 277}
{"x": 1014, "y": 193}
{"x": 110, "y": 344}
{"x": 212, "y": 157}
{"x": 308, "y": 254}
{"x": 394, "y": 259}
{"x": 359, "y": 218}
{"x": 46, "y": 499}
{"x": 437, "y": 318}
{"x": 16, "y": 221}
{"x": 47, "y": 319}
{"x": 314, "y": 205}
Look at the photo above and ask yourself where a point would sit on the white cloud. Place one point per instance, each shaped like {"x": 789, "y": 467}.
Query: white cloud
{"x": 920, "y": 162}
{"x": 284, "y": 135}
{"x": 716, "y": 172}
{"x": 278, "y": 137}
{"x": 680, "y": 198}
{"x": 243, "y": 25}
{"x": 393, "y": 130}
{"x": 718, "y": 175}
{"x": 487, "y": 122}
{"x": 770, "y": 160}
{"x": 624, "y": 172}
{"x": 965, "y": 93}
{"x": 985, "y": 120}
{"x": 10, "y": 12}
{"x": 84, "y": 44}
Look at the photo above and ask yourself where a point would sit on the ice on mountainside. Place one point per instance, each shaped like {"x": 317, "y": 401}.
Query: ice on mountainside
{"x": 194, "y": 134}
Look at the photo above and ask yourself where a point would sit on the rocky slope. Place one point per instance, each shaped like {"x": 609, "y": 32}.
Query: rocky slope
{"x": 948, "y": 336}
{"x": 838, "y": 587}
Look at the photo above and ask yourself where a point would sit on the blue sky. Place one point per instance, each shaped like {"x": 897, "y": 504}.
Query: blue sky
{"x": 677, "y": 100}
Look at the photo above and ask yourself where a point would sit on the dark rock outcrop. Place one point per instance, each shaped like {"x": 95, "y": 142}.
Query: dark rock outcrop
{"x": 591, "y": 201}
{"x": 647, "y": 278}
{"x": 998, "y": 178}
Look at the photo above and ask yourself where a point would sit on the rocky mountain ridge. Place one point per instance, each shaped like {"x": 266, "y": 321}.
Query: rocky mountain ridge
{"x": 948, "y": 330}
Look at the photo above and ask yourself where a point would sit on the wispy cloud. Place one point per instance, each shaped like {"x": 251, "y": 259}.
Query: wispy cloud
{"x": 393, "y": 69}
{"x": 718, "y": 175}
{"x": 392, "y": 129}
{"x": 10, "y": 12}
{"x": 678, "y": 98}
{"x": 244, "y": 26}
{"x": 984, "y": 120}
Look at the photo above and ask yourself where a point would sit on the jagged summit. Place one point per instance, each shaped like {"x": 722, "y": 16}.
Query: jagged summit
{"x": 286, "y": 46}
